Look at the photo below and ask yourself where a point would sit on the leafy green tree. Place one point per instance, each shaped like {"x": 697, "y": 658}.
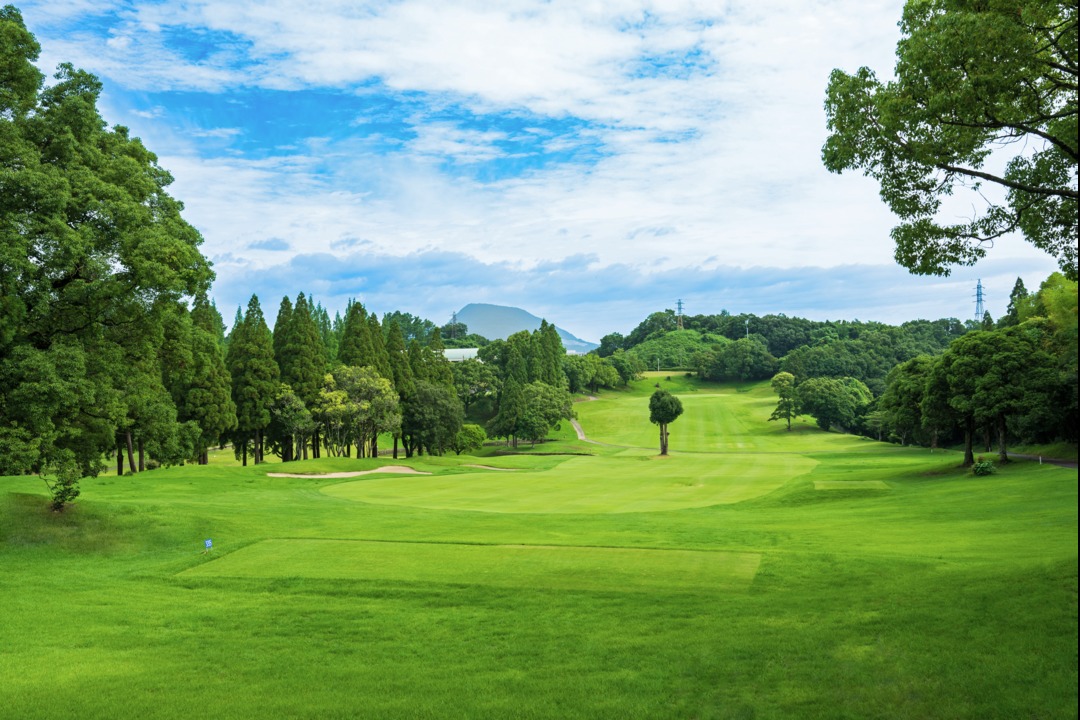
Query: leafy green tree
{"x": 664, "y": 409}
{"x": 291, "y": 424}
{"x": 972, "y": 79}
{"x": 627, "y": 365}
{"x": 833, "y": 402}
{"x": 474, "y": 380}
{"x": 1019, "y": 309}
{"x": 545, "y": 407}
{"x": 255, "y": 377}
{"x": 469, "y": 438}
{"x": 742, "y": 359}
{"x": 902, "y": 402}
{"x": 783, "y": 384}
{"x": 282, "y": 327}
{"x": 208, "y": 401}
{"x": 90, "y": 244}
{"x": 507, "y": 423}
{"x": 610, "y": 343}
{"x": 356, "y": 348}
{"x": 431, "y": 419}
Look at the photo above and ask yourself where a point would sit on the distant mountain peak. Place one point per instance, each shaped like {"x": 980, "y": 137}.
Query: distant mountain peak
{"x": 498, "y": 322}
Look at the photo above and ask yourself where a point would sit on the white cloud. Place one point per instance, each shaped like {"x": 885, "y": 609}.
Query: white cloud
{"x": 711, "y": 163}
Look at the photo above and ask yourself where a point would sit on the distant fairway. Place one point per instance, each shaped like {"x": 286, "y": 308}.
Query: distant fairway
{"x": 754, "y": 573}
{"x": 618, "y": 484}
{"x": 522, "y": 566}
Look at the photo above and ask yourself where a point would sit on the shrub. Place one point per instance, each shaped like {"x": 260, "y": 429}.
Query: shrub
{"x": 983, "y": 467}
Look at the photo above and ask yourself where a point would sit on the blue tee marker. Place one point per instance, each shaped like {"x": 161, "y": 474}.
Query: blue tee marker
{"x": 209, "y": 545}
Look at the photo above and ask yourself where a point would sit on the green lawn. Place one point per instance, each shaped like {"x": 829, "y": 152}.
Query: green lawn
{"x": 755, "y": 573}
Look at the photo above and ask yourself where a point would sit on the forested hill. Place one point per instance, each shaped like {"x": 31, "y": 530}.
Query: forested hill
{"x": 751, "y": 347}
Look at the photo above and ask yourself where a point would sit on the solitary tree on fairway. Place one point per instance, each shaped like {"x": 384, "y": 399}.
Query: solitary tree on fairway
{"x": 783, "y": 384}
{"x": 663, "y": 409}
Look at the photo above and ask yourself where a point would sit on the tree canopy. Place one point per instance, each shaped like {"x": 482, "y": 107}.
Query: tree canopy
{"x": 977, "y": 84}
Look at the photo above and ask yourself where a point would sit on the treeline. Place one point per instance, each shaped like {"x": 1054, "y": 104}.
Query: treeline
{"x": 1014, "y": 380}
{"x": 744, "y": 347}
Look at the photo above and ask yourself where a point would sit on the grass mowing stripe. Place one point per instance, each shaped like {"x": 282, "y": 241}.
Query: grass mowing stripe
{"x": 850, "y": 485}
{"x": 528, "y": 566}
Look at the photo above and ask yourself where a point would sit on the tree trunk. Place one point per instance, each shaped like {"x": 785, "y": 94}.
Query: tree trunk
{"x": 142, "y": 457}
{"x": 119, "y": 457}
{"x": 245, "y": 453}
{"x": 303, "y": 442}
{"x": 1002, "y": 430}
{"x": 395, "y": 445}
{"x": 375, "y": 446}
{"x": 663, "y": 438}
{"x": 969, "y": 440}
{"x": 130, "y": 451}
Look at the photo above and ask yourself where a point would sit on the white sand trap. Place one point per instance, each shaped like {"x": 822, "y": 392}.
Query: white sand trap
{"x": 850, "y": 485}
{"x": 489, "y": 467}
{"x": 398, "y": 469}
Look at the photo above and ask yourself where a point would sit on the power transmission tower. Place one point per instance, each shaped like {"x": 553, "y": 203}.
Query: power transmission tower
{"x": 980, "y": 308}
{"x": 678, "y": 318}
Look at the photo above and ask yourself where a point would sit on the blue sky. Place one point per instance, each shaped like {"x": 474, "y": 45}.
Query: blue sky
{"x": 591, "y": 162}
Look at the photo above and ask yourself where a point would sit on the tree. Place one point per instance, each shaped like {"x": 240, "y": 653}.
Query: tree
{"x": 902, "y": 402}
{"x": 974, "y": 81}
{"x": 255, "y": 377}
{"x": 431, "y": 419}
{"x": 474, "y": 380}
{"x": 664, "y": 408}
{"x": 545, "y": 407}
{"x": 208, "y": 401}
{"x": 783, "y": 384}
{"x": 90, "y": 244}
{"x": 1019, "y": 306}
{"x": 833, "y": 402}
{"x": 470, "y": 437}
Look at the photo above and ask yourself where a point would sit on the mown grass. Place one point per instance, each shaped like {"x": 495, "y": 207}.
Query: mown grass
{"x": 612, "y": 586}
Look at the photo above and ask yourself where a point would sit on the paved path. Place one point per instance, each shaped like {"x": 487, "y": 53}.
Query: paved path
{"x": 1071, "y": 464}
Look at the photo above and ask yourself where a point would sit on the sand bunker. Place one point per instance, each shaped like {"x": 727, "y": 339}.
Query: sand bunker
{"x": 489, "y": 467}
{"x": 399, "y": 469}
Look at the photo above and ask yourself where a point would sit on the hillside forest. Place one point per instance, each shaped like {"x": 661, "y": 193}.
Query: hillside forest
{"x": 111, "y": 349}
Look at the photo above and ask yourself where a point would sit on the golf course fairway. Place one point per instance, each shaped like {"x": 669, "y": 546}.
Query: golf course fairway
{"x": 753, "y": 573}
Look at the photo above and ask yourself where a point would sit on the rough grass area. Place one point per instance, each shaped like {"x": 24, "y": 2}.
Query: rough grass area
{"x": 520, "y": 566}
{"x": 716, "y": 583}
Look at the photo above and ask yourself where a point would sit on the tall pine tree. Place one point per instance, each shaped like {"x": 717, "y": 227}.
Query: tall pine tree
{"x": 255, "y": 378}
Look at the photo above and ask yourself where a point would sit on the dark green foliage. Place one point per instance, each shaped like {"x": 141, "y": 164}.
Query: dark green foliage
{"x": 411, "y": 326}
{"x": 303, "y": 358}
{"x": 208, "y": 400}
{"x": 474, "y": 380}
{"x": 356, "y": 348}
{"x": 983, "y": 467}
{"x": 741, "y": 360}
{"x": 255, "y": 377}
{"x": 783, "y": 384}
{"x": 282, "y": 327}
{"x": 431, "y": 419}
{"x": 971, "y": 78}
{"x": 95, "y": 262}
{"x": 833, "y": 402}
{"x": 507, "y": 423}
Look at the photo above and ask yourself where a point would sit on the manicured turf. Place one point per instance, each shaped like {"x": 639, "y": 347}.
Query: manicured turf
{"x": 548, "y": 567}
{"x": 717, "y": 583}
